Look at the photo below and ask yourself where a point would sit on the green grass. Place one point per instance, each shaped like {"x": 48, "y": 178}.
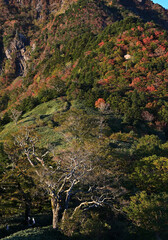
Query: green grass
{"x": 41, "y": 118}
{"x": 48, "y": 135}
{"x": 18, "y": 231}
{"x": 37, "y": 233}
{"x": 46, "y": 108}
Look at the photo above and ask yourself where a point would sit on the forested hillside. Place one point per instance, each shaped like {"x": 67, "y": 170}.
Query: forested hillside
{"x": 83, "y": 119}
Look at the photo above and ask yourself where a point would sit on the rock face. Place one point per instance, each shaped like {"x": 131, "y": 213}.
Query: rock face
{"x": 16, "y": 52}
{"x": 40, "y": 8}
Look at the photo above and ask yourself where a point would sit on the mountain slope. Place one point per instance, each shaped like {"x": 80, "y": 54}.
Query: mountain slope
{"x": 86, "y": 50}
{"x": 84, "y": 116}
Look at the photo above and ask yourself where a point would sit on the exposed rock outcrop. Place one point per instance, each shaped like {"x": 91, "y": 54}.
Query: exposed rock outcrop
{"x": 41, "y": 8}
{"x": 16, "y": 52}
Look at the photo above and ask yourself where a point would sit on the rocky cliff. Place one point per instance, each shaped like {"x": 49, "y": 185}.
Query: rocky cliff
{"x": 16, "y": 53}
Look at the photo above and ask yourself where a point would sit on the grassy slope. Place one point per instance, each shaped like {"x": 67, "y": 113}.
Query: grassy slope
{"x": 44, "y": 119}
{"x": 18, "y": 231}
{"x": 37, "y": 233}
{"x": 39, "y": 116}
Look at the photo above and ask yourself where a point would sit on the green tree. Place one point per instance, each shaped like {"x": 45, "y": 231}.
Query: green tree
{"x": 146, "y": 146}
{"x": 19, "y": 191}
{"x": 149, "y": 212}
{"x": 150, "y": 174}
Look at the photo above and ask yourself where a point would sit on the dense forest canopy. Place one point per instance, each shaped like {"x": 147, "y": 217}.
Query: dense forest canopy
{"x": 84, "y": 119}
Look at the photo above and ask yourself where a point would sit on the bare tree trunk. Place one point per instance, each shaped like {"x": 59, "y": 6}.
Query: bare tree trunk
{"x": 63, "y": 216}
{"x": 27, "y": 212}
{"x": 55, "y": 211}
{"x": 66, "y": 208}
{"x": 67, "y": 199}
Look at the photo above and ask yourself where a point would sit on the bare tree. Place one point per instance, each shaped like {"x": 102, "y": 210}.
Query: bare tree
{"x": 15, "y": 114}
{"x": 69, "y": 173}
{"x": 73, "y": 172}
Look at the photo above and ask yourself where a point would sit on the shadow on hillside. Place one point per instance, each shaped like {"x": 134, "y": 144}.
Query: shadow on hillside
{"x": 16, "y": 224}
{"x": 44, "y": 231}
{"x": 146, "y": 14}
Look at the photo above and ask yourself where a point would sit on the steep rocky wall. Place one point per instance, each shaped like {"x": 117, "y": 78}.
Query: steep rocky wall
{"x": 2, "y": 55}
{"x": 16, "y": 53}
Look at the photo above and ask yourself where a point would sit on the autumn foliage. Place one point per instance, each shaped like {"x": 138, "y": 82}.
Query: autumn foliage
{"x": 100, "y": 104}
